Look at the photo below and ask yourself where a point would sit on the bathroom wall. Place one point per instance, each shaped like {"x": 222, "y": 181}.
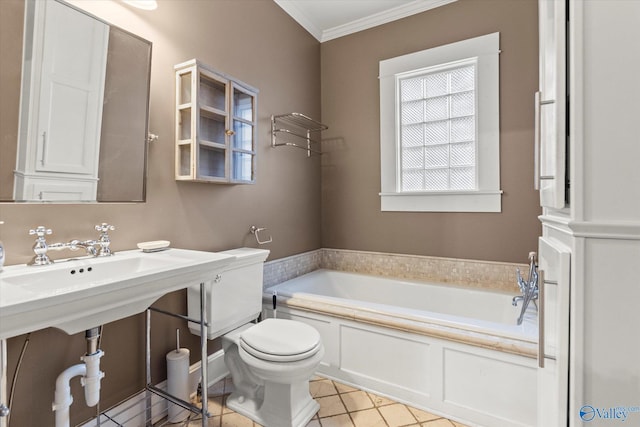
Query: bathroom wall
{"x": 252, "y": 40}
{"x": 351, "y": 216}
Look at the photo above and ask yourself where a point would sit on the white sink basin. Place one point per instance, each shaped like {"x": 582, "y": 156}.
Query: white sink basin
{"x": 79, "y": 294}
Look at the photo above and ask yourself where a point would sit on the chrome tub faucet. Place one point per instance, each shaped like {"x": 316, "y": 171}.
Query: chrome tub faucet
{"x": 528, "y": 288}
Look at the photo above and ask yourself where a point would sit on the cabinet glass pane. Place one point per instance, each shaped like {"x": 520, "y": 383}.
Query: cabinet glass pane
{"x": 242, "y": 166}
{"x": 212, "y": 93}
{"x": 184, "y": 153}
{"x": 212, "y": 127}
{"x": 243, "y": 136}
{"x": 185, "y": 88}
{"x": 184, "y": 130}
{"x": 211, "y": 162}
{"x": 243, "y": 105}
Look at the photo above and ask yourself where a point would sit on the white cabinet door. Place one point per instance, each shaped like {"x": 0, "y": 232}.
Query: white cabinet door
{"x": 551, "y": 104}
{"x": 554, "y": 261}
{"x": 71, "y": 91}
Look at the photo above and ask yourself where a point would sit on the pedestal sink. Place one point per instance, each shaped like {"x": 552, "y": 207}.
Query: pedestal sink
{"x": 78, "y": 294}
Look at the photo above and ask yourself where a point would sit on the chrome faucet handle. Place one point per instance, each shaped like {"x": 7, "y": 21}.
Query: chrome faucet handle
{"x": 532, "y": 266}
{"x": 104, "y": 241}
{"x": 40, "y": 246}
{"x": 40, "y": 231}
{"x": 521, "y": 283}
{"x": 528, "y": 288}
{"x": 104, "y": 227}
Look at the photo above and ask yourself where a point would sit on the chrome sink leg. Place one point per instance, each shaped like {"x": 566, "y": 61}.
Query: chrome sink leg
{"x": 4, "y": 409}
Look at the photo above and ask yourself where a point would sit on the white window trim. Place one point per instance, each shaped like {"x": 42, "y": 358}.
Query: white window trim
{"x": 487, "y": 197}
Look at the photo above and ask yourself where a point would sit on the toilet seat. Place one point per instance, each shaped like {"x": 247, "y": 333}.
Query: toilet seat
{"x": 280, "y": 340}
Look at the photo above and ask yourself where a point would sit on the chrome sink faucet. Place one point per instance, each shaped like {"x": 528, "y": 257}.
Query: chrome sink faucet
{"x": 93, "y": 248}
{"x": 529, "y": 288}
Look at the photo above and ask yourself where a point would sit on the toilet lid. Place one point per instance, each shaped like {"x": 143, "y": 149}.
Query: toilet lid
{"x": 280, "y": 340}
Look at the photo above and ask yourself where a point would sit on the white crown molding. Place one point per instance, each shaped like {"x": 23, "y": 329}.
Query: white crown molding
{"x": 412, "y": 8}
{"x": 393, "y": 14}
{"x": 300, "y": 17}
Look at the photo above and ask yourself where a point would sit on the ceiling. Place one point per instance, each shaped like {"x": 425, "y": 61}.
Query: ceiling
{"x": 330, "y": 19}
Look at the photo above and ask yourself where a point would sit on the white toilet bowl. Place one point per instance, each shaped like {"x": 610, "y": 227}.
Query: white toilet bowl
{"x": 271, "y": 363}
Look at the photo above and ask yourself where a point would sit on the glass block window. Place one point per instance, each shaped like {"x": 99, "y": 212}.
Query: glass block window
{"x": 437, "y": 128}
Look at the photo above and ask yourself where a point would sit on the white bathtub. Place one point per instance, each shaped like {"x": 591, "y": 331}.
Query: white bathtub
{"x": 453, "y": 351}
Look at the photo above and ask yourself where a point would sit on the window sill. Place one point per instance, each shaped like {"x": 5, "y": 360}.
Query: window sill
{"x": 442, "y": 201}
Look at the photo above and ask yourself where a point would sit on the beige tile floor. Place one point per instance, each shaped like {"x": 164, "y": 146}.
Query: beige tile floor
{"x": 340, "y": 406}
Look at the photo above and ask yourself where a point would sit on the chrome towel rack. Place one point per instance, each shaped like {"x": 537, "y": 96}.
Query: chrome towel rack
{"x": 299, "y": 128}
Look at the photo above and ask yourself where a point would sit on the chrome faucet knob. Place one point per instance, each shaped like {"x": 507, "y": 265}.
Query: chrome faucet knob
{"x": 104, "y": 227}
{"x": 40, "y": 231}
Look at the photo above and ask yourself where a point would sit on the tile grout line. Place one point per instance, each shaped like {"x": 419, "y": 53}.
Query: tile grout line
{"x": 349, "y": 412}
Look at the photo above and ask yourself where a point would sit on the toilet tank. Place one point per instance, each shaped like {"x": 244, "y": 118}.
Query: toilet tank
{"x": 233, "y": 300}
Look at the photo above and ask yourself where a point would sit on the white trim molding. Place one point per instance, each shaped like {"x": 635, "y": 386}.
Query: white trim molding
{"x": 610, "y": 230}
{"x": 442, "y": 201}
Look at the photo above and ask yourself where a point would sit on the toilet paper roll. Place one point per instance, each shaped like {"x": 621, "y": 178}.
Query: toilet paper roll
{"x": 178, "y": 382}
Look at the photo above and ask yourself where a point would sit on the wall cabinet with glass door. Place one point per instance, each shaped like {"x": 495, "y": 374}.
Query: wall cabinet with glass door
{"x": 215, "y": 126}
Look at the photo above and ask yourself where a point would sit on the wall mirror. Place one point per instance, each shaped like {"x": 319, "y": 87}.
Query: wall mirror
{"x": 83, "y": 108}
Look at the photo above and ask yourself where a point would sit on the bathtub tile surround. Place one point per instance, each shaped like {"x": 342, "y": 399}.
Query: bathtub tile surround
{"x": 290, "y": 267}
{"x": 478, "y": 274}
{"x": 340, "y": 406}
{"x": 496, "y": 276}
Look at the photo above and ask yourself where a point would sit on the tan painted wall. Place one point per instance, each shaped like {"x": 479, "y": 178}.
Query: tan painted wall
{"x": 351, "y": 216}
{"x": 253, "y": 40}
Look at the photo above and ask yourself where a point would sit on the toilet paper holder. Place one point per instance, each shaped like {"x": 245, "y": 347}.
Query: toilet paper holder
{"x": 256, "y": 232}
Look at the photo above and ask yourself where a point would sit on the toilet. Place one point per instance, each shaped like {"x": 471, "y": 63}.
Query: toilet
{"x": 271, "y": 361}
